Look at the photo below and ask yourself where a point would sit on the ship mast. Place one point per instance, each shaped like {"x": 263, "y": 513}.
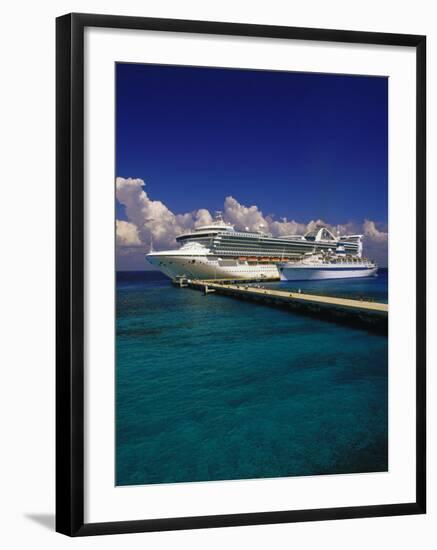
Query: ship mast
{"x": 218, "y": 217}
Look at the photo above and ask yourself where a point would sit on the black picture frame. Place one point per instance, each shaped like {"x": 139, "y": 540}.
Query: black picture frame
{"x": 70, "y": 273}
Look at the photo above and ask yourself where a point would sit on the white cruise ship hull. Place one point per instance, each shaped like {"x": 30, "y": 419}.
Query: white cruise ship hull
{"x": 210, "y": 267}
{"x": 305, "y": 273}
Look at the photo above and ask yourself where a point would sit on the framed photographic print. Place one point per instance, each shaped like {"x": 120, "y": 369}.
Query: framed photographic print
{"x": 240, "y": 274}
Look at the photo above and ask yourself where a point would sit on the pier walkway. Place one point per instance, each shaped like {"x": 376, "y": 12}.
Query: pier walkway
{"x": 372, "y": 315}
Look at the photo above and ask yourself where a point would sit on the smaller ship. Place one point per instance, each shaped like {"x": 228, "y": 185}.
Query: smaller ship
{"x": 326, "y": 266}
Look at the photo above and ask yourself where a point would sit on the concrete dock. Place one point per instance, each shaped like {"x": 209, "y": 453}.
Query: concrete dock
{"x": 365, "y": 314}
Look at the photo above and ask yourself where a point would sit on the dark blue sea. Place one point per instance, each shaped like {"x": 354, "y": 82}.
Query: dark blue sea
{"x": 212, "y": 388}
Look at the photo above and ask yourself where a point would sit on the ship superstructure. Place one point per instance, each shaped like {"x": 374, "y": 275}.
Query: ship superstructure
{"x": 217, "y": 250}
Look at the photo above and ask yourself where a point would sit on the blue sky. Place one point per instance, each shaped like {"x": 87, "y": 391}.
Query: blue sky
{"x": 300, "y": 145}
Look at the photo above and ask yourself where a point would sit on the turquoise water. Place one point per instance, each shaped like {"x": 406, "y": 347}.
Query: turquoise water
{"x": 212, "y": 388}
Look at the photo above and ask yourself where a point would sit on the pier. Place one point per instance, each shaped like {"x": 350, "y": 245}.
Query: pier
{"x": 359, "y": 313}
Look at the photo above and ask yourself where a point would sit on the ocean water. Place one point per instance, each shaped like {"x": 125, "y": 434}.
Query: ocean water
{"x": 212, "y": 388}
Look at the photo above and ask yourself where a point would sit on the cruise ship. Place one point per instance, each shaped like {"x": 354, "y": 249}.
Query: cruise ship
{"x": 218, "y": 251}
{"x": 323, "y": 266}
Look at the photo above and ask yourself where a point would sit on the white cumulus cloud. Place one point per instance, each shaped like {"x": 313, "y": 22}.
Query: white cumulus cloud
{"x": 127, "y": 234}
{"x": 153, "y": 220}
{"x": 373, "y": 233}
{"x": 244, "y": 216}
